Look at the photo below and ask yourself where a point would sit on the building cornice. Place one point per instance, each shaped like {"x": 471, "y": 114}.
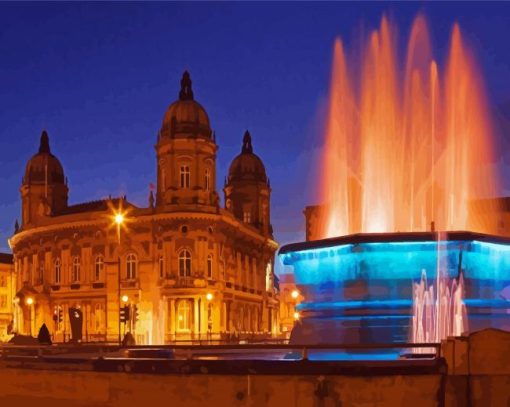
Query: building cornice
{"x": 103, "y": 221}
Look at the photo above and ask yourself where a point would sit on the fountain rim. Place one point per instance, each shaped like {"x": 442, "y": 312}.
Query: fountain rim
{"x": 392, "y": 237}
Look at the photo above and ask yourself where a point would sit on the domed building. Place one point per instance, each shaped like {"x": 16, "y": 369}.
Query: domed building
{"x": 182, "y": 268}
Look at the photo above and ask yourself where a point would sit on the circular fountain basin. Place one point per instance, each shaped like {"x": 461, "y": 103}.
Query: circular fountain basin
{"x": 359, "y": 288}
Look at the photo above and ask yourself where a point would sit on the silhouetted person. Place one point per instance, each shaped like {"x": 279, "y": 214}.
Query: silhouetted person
{"x": 128, "y": 340}
{"x": 44, "y": 335}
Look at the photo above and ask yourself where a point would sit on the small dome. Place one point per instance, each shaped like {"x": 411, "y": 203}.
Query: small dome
{"x": 44, "y": 167}
{"x": 247, "y": 166}
{"x": 186, "y": 117}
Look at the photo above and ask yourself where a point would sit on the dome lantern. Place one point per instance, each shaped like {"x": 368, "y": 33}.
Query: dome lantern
{"x": 247, "y": 166}
{"x": 185, "y": 118}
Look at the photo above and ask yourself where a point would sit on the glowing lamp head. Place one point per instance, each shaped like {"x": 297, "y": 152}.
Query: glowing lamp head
{"x": 30, "y": 301}
{"x": 294, "y": 294}
{"x": 125, "y": 298}
{"x": 209, "y": 296}
{"x": 119, "y": 218}
{"x": 296, "y": 316}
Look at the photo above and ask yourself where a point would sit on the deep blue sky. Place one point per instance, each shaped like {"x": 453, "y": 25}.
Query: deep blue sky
{"x": 99, "y": 78}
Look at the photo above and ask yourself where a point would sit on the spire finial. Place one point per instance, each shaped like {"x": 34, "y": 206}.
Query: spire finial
{"x": 44, "y": 146}
{"x": 247, "y": 147}
{"x": 186, "y": 93}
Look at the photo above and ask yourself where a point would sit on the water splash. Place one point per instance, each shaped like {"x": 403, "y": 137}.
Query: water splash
{"x": 405, "y": 146}
{"x": 439, "y": 313}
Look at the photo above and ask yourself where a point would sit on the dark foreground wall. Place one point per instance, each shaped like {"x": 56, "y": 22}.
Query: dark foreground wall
{"x": 23, "y": 387}
{"x": 473, "y": 371}
{"x": 478, "y": 369}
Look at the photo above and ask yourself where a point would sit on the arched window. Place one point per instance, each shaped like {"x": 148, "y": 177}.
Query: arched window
{"x": 185, "y": 176}
{"x": 207, "y": 180}
{"x": 57, "y": 271}
{"x": 184, "y": 263}
{"x": 75, "y": 276}
{"x": 98, "y": 268}
{"x": 209, "y": 267}
{"x": 184, "y": 316}
{"x": 161, "y": 264}
{"x": 131, "y": 266}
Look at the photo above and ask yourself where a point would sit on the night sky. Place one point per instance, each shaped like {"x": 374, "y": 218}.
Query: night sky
{"x": 99, "y": 78}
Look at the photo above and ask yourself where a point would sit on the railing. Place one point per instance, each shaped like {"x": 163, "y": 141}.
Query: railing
{"x": 196, "y": 351}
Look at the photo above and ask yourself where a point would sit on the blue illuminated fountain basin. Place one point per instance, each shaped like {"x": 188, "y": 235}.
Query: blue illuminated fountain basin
{"x": 358, "y": 288}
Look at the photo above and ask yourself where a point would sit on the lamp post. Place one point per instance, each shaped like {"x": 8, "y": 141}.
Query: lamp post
{"x": 125, "y": 300}
{"x": 119, "y": 221}
{"x": 295, "y": 294}
{"x": 30, "y": 302}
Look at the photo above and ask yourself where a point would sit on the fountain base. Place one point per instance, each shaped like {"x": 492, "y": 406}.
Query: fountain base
{"x": 359, "y": 288}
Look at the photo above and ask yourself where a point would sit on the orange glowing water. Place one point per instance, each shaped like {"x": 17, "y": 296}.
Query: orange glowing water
{"x": 405, "y": 146}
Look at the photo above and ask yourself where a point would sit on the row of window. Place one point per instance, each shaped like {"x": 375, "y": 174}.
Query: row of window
{"x": 131, "y": 267}
{"x": 185, "y": 265}
{"x": 245, "y": 318}
{"x": 185, "y": 177}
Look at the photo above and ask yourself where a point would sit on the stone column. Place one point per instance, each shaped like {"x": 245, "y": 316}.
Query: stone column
{"x": 196, "y": 328}
{"x": 172, "y": 325}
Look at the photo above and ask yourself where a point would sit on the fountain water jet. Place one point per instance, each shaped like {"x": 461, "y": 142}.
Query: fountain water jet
{"x": 401, "y": 153}
{"x": 406, "y": 147}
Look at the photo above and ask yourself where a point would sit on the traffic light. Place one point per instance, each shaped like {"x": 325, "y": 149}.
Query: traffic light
{"x": 135, "y": 313}
{"x": 124, "y": 314}
{"x": 57, "y": 314}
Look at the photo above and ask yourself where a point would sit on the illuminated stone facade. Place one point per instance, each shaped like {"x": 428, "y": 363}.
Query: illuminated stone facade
{"x": 191, "y": 268}
{"x": 7, "y": 291}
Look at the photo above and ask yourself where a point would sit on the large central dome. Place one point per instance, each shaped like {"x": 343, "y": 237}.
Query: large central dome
{"x": 186, "y": 117}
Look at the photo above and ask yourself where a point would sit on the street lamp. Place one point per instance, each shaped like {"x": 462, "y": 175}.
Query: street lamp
{"x": 296, "y": 316}
{"x": 119, "y": 220}
{"x": 30, "y": 302}
{"x": 294, "y": 294}
{"x": 125, "y": 299}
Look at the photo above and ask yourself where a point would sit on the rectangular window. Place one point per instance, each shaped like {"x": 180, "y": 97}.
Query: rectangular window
{"x": 209, "y": 267}
{"x": 185, "y": 176}
{"x": 161, "y": 267}
{"x": 184, "y": 316}
{"x": 247, "y": 217}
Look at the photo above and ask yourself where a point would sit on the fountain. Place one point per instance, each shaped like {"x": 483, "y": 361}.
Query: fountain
{"x": 405, "y": 147}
